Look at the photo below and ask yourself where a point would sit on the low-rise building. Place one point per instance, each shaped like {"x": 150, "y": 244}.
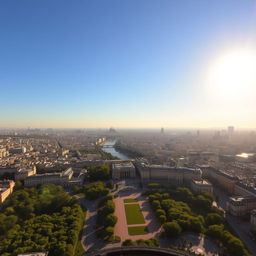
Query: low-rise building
{"x": 6, "y": 188}
{"x": 22, "y": 174}
{"x": 78, "y": 180}
{"x": 20, "y": 150}
{"x": 253, "y": 220}
{"x": 244, "y": 190}
{"x": 239, "y": 205}
{"x": 226, "y": 181}
{"x": 34, "y": 254}
{"x": 201, "y": 186}
{"x": 3, "y": 152}
{"x": 8, "y": 169}
{"x": 61, "y": 178}
{"x": 167, "y": 174}
{"x": 123, "y": 170}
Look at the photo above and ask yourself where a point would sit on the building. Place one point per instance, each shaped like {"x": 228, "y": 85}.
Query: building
{"x": 34, "y": 254}
{"x": 61, "y": 178}
{"x": 8, "y": 169}
{"x": 21, "y": 150}
{"x": 246, "y": 157}
{"x": 166, "y": 174}
{"x": 201, "y": 186}
{"x": 231, "y": 130}
{"x": 195, "y": 156}
{"x": 227, "y": 182}
{"x": 244, "y": 190}
{"x": 123, "y": 170}
{"x": 78, "y": 180}
{"x": 3, "y": 152}
{"x": 22, "y": 174}
{"x": 6, "y": 188}
{"x": 253, "y": 220}
{"x": 224, "y": 180}
{"x": 181, "y": 162}
{"x": 239, "y": 205}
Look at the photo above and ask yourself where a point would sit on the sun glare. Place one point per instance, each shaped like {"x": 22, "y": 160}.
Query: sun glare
{"x": 233, "y": 76}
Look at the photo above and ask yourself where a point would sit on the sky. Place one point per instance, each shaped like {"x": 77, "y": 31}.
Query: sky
{"x": 124, "y": 64}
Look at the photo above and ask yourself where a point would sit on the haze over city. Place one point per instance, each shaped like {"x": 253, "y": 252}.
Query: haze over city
{"x": 128, "y": 64}
{"x": 127, "y": 128}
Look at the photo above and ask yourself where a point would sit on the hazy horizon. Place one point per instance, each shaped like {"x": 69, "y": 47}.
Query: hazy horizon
{"x": 128, "y": 64}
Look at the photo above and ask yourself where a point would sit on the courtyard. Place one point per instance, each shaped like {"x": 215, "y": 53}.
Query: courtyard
{"x": 136, "y": 220}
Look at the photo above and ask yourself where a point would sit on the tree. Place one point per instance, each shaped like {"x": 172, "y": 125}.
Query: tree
{"x": 235, "y": 247}
{"x": 202, "y": 203}
{"x": 215, "y": 231}
{"x": 95, "y": 190}
{"x": 100, "y": 172}
{"x": 57, "y": 233}
{"x": 109, "y": 207}
{"x": 172, "y": 229}
{"x": 184, "y": 194}
{"x": 213, "y": 218}
{"x": 156, "y": 204}
{"x": 110, "y": 184}
{"x": 128, "y": 242}
{"x": 110, "y": 220}
{"x": 160, "y": 212}
{"x": 162, "y": 218}
{"x": 154, "y": 185}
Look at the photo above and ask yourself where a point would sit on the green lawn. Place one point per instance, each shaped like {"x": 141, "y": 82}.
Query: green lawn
{"x": 133, "y": 214}
{"x": 130, "y": 200}
{"x": 139, "y": 230}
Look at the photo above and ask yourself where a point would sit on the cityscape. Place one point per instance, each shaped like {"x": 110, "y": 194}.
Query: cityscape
{"x": 127, "y": 128}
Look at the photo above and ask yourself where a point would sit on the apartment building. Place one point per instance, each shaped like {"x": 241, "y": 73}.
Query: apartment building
{"x": 241, "y": 205}
{"x": 6, "y": 188}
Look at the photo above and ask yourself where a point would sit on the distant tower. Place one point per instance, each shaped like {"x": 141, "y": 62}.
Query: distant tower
{"x": 162, "y": 130}
{"x": 198, "y": 133}
{"x": 231, "y": 130}
{"x": 112, "y": 130}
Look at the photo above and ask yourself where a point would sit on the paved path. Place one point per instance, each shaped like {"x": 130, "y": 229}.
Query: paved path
{"x": 152, "y": 223}
{"x": 90, "y": 241}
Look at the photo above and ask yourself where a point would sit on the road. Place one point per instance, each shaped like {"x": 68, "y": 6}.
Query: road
{"x": 90, "y": 242}
{"x": 240, "y": 226}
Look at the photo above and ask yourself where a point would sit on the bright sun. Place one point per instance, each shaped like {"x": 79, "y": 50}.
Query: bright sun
{"x": 233, "y": 75}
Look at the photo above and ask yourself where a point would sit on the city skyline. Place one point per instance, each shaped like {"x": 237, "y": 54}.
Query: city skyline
{"x": 128, "y": 64}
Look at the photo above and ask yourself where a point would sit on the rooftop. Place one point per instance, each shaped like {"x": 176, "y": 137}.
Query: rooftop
{"x": 34, "y": 254}
{"x": 201, "y": 182}
{"x": 123, "y": 165}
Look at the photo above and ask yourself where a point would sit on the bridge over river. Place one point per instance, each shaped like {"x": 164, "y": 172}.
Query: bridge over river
{"x": 108, "y": 147}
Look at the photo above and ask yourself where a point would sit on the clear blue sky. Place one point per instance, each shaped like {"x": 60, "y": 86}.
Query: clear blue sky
{"x": 122, "y": 63}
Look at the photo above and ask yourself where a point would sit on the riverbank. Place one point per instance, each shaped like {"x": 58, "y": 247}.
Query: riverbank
{"x": 127, "y": 151}
{"x": 109, "y": 147}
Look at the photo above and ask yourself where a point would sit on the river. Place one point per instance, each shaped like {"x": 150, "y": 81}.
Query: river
{"x": 109, "y": 147}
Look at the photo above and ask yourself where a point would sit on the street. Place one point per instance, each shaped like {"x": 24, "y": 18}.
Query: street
{"x": 240, "y": 227}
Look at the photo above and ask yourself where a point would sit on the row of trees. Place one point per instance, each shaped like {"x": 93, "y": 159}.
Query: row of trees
{"x": 44, "y": 219}
{"x": 152, "y": 242}
{"x": 181, "y": 210}
{"x": 133, "y": 153}
{"x": 230, "y": 244}
{"x": 106, "y": 220}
